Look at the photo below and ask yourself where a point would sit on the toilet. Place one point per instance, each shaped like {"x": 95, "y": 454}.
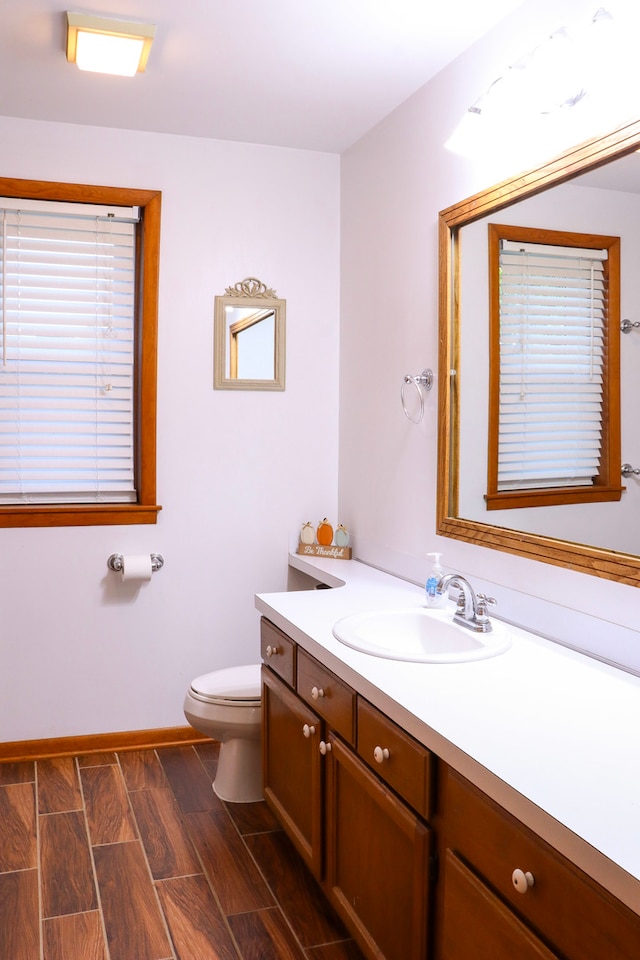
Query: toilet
{"x": 226, "y": 705}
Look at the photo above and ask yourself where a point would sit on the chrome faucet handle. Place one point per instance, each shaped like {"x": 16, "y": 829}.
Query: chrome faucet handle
{"x": 483, "y": 602}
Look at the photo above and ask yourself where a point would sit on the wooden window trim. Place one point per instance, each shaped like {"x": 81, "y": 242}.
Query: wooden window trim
{"x": 236, "y": 328}
{"x": 607, "y": 485}
{"x": 145, "y": 510}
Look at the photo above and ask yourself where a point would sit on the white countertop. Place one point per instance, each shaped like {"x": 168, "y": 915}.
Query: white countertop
{"x": 552, "y": 735}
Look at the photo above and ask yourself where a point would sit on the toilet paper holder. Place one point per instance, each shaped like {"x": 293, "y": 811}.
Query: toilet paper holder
{"x": 116, "y": 560}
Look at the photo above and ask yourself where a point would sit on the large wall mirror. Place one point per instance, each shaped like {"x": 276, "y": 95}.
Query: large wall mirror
{"x": 249, "y": 338}
{"x": 595, "y": 188}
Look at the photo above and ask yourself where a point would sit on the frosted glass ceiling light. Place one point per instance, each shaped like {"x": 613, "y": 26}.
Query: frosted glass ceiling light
{"x": 576, "y": 63}
{"x": 108, "y": 46}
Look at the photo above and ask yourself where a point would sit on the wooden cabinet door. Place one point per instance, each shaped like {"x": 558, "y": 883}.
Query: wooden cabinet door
{"x": 292, "y": 767}
{"x": 377, "y": 861}
{"x": 476, "y": 924}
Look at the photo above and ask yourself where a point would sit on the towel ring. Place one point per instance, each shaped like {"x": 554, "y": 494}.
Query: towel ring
{"x": 423, "y": 381}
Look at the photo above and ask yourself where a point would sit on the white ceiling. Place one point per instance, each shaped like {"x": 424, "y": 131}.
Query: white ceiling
{"x": 311, "y": 74}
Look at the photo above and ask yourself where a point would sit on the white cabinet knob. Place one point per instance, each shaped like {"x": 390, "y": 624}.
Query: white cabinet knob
{"x": 521, "y": 880}
{"x": 317, "y": 693}
{"x": 380, "y": 754}
{"x": 325, "y": 747}
{"x": 271, "y": 651}
{"x": 308, "y": 730}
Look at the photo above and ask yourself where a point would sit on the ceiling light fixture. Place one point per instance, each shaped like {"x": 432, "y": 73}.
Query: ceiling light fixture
{"x": 108, "y": 46}
{"x": 537, "y": 90}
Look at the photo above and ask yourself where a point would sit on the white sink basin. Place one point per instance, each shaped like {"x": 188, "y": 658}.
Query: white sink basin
{"x": 420, "y": 635}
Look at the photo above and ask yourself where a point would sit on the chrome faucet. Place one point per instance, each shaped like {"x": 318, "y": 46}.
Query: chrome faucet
{"x": 471, "y": 611}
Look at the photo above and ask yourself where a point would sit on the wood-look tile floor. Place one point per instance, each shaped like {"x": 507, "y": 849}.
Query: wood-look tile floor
{"x": 131, "y": 856}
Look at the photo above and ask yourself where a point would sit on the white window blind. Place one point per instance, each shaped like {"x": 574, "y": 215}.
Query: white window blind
{"x": 67, "y": 311}
{"x": 553, "y": 303}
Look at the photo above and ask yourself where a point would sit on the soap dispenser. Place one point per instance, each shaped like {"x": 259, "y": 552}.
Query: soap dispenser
{"x": 435, "y": 599}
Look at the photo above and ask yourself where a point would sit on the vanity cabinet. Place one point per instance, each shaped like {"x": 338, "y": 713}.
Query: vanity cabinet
{"x": 506, "y": 893}
{"x": 339, "y": 797}
{"x": 369, "y": 808}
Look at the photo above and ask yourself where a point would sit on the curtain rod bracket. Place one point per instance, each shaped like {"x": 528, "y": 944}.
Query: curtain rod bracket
{"x": 627, "y": 325}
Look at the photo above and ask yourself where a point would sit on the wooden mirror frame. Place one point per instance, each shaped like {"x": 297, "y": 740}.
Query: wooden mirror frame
{"x": 609, "y": 564}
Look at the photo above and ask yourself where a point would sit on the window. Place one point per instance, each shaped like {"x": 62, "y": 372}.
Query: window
{"x": 554, "y": 408}
{"x": 78, "y": 334}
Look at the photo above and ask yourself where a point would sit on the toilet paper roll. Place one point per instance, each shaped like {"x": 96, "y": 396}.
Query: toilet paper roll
{"x": 136, "y": 567}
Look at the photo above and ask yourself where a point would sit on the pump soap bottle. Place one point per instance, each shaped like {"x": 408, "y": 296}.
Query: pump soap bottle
{"x": 435, "y": 599}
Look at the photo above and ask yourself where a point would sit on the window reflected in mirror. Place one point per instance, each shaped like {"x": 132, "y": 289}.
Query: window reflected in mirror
{"x": 251, "y": 343}
{"x": 554, "y": 368}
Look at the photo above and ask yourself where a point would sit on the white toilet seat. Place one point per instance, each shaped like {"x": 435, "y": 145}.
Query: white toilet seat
{"x": 239, "y": 686}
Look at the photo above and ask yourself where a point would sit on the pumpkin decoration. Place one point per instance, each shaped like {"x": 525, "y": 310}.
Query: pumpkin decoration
{"x": 307, "y": 534}
{"x": 325, "y": 533}
{"x": 342, "y": 536}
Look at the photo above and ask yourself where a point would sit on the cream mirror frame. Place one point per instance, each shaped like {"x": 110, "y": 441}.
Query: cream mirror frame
{"x": 598, "y": 561}
{"x": 249, "y": 338}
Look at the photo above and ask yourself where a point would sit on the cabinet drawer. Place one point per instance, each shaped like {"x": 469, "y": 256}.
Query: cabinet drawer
{"x": 581, "y": 919}
{"x": 401, "y": 761}
{"x": 278, "y": 651}
{"x": 333, "y": 699}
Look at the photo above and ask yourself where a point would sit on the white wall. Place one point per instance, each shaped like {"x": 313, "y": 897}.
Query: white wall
{"x": 394, "y": 182}
{"x": 81, "y": 652}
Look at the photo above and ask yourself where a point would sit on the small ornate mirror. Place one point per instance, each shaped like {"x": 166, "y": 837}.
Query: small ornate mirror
{"x": 249, "y": 338}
